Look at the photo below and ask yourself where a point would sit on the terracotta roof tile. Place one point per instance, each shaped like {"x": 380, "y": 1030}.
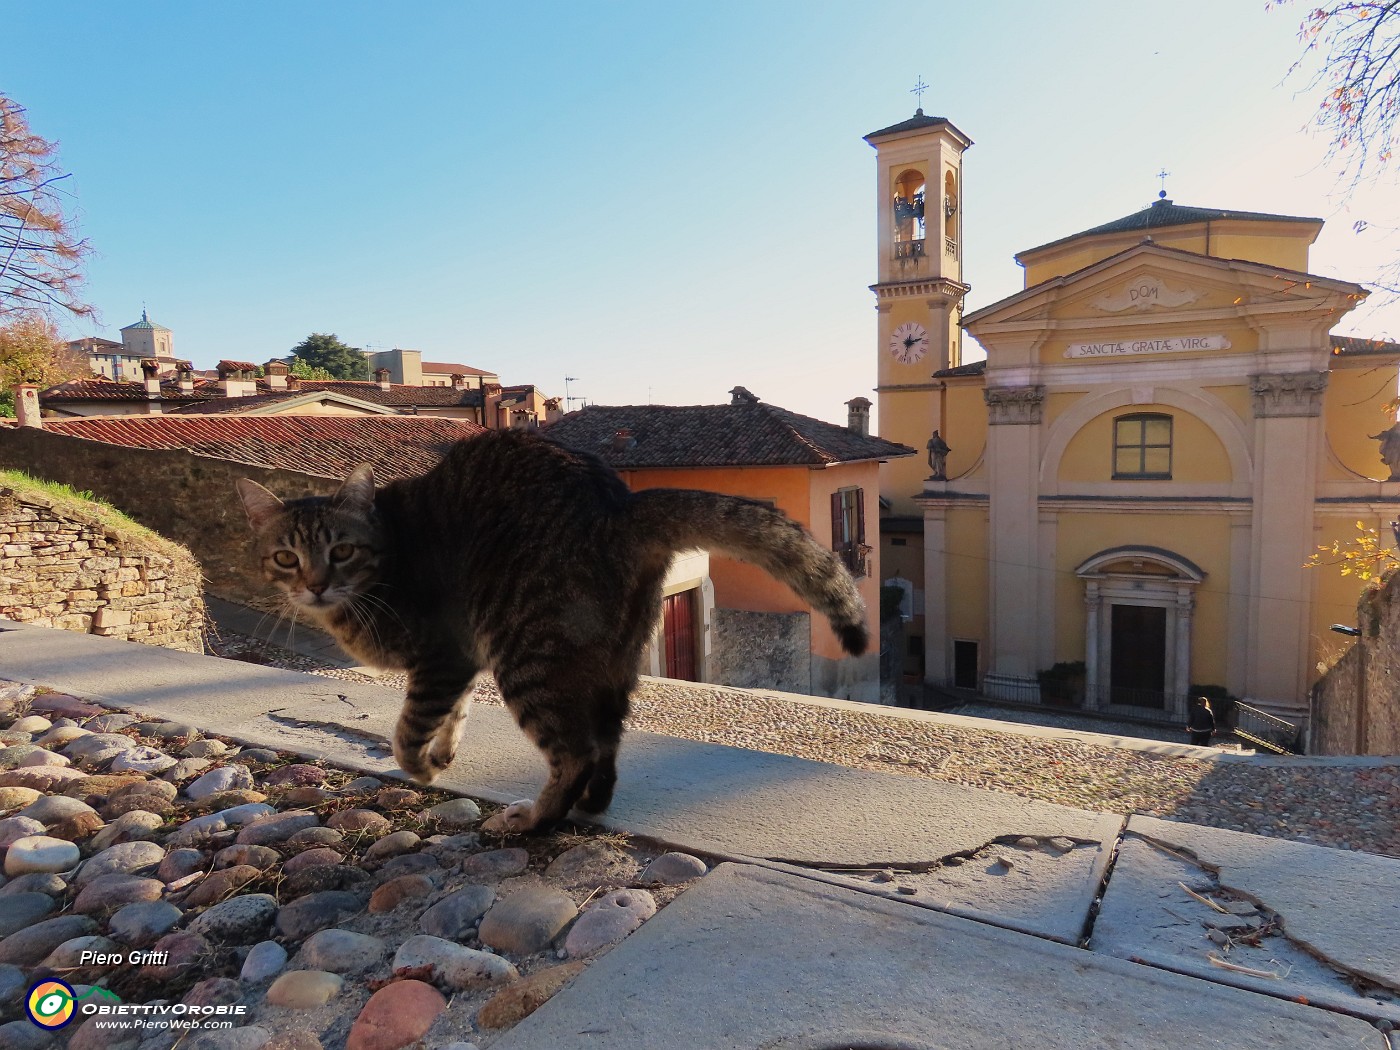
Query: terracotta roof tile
{"x": 714, "y": 436}
{"x": 328, "y": 446}
{"x": 448, "y": 368}
{"x": 100, "y": 389}
{"x": 1348, "y": 345}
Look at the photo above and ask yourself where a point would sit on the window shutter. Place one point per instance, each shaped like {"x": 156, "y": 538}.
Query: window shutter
{"x": 836, "y": 522}
{"x": 860, "y": 516}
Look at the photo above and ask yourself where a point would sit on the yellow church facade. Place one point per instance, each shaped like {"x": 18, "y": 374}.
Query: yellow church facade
{"x": 1162, "y": 432}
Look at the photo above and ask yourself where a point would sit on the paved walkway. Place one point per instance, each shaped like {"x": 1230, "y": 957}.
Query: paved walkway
{"x": 865, "y": 908}
{"x": 1343, "y": 803}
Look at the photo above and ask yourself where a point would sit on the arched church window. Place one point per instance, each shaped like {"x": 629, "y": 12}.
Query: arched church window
{"x": 950, "y": 206}
{"x": 1142, "y": 446}
{"x": 909, "y": 214}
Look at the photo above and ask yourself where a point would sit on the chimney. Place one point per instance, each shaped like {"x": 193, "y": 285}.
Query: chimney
{"x": 150, "y": 372}
{"x": 236, "y": 379}
{"x": 552, "y": 409}
{"x": 623, "y": 440}
{"x": 276, "y": 374}
{"x": 27, "y": 406}
{"x": 523, "y": 419}
{"x": 742, "y": 396}
{"x": 459, "y": 381}
{"x": 858, "y": 416}
{"x": 184, "y": 370}
{"x": 381, "y": 376}
{"x": 490, "y": 406}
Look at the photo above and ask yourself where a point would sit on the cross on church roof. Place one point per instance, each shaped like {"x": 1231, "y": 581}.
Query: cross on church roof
{"x": 1163, "y": 176}
{"x": 918, "y": 90}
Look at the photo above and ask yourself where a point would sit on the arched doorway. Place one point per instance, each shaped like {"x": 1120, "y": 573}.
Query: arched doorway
{"x": 1137, "y": 630}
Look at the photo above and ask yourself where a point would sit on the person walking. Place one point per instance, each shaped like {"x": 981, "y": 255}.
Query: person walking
{"x": 1200, "y": 723}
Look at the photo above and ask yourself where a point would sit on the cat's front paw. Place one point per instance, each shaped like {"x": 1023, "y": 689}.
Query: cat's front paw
{"x": 418, "y": 763}
{"x": 514, "y": 819}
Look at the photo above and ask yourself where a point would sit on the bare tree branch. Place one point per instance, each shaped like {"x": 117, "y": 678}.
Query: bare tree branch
{"x": 41, "y": 254}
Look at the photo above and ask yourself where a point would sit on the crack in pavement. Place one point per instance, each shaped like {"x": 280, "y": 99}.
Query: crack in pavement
{"x": 1280, "y": 925}
{"x": 920, "y": 867}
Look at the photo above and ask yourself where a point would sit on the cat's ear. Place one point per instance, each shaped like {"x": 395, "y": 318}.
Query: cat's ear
{"x": 260, "y": 505}
{"x": 358, "y": 490}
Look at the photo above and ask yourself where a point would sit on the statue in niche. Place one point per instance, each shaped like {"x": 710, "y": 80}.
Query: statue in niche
{"x": 1390, "y": 449}
{"x": 938, "y": 457}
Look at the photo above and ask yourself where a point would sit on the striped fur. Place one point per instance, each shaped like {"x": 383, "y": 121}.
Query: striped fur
{"x": 533, "y": 562}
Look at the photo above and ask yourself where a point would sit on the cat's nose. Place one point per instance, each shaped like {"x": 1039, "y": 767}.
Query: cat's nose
{"x": 317, "y": 589}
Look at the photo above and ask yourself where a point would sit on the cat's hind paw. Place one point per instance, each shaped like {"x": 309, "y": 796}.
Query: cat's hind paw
{"x": 514, "y": 819}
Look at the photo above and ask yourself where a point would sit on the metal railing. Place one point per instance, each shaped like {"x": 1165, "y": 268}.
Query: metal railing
{"x": 950, "y": 247}
{"x": 856, "y": 558}
{"x": 909, "y": 249}
{"x": 1267, "y": 731}
{"x": 1142, "y": 705}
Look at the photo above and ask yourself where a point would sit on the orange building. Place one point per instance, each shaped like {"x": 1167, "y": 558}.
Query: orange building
{"x": 822, "y": 475}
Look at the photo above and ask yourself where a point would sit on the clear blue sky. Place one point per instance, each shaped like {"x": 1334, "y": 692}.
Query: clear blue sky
{"x": 662, "y": 200}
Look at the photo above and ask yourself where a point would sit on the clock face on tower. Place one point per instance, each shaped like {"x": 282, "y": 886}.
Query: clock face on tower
{"x": 909, "y": 343}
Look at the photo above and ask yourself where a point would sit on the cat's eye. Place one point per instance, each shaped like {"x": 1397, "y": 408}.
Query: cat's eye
{"x": 342, "y": 551}
{"x": 286, "y": 559}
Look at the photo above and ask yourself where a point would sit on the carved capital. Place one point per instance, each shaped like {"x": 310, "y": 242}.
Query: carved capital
{"x": 1014, "y": 405}
{"x": 1288, "y": 393}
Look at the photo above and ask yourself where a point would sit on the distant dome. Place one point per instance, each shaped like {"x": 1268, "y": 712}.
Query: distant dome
{"x": 145, "y": 324}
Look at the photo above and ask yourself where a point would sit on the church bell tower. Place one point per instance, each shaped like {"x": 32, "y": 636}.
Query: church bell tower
{"x": 918, "y": 196}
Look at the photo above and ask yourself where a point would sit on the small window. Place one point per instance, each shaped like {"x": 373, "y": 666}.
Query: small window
{"x": 1142, "y": 446}
{"x": 899, "y": 541}
{"x": 848, "y": 529}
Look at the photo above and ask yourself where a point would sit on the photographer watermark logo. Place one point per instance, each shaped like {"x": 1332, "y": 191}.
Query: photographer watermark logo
{"x": 51, "y": 1004}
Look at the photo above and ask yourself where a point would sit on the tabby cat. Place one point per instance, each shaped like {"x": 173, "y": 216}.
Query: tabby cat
{"x": 530, "y": 560}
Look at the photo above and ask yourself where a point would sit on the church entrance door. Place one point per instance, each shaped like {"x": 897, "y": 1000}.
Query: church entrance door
{"x": 1138, "y": 655}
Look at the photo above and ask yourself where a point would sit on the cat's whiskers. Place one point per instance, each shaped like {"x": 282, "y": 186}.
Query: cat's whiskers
{"x": 380, "y": 603}
{"x": 366, "y": 621}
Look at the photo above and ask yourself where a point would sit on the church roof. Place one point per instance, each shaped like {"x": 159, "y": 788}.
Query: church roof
{"x": 917, "y": 122}
{"x": 1164, "y": 212}
{"x": 742, "y": 435}
{"x": 1356, "y": 346}
{"x": 145, "y": 324}
{"x": 1148, "y": 247}
{"x": 972, "y": 368}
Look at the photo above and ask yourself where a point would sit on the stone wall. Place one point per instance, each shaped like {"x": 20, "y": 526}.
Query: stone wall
{"x": 756, "y": 650}
{"x": 61, "y": 566}
{"x": 1364, "y": 685}
{"x": 186, "y": 498}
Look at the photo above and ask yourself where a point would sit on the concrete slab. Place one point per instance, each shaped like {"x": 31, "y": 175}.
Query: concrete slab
{"x": 753, "y": 958}
{"x": 1340, "y": 906}
{"x": 1040, "y": 885}
{"x": 289, "y": 634}
{"x": 706, "y": 798}
{"x": 1147, "y": 916}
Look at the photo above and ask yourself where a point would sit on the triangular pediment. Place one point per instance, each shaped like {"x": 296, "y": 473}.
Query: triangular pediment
{"x": 1148, "y": 281}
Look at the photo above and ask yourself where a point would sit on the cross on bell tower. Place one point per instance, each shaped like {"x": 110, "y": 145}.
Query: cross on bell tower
{"x": 918, "y": 91}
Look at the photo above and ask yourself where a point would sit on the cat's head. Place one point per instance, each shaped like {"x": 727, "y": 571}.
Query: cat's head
{"x": 322, "y": 551}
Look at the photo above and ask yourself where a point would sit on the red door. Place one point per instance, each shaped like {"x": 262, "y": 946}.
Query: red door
{"x": 678, "y": 624}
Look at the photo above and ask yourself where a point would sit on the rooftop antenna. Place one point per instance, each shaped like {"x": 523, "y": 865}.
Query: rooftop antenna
{"x": 567, "y": 399}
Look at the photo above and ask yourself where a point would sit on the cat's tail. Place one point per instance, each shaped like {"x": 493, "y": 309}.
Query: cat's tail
{"x": 671, "y": 520}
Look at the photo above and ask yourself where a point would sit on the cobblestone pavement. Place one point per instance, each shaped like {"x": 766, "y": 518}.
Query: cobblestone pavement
{"x": 1343, "y": 806}
{"x": 149, "y": 867}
